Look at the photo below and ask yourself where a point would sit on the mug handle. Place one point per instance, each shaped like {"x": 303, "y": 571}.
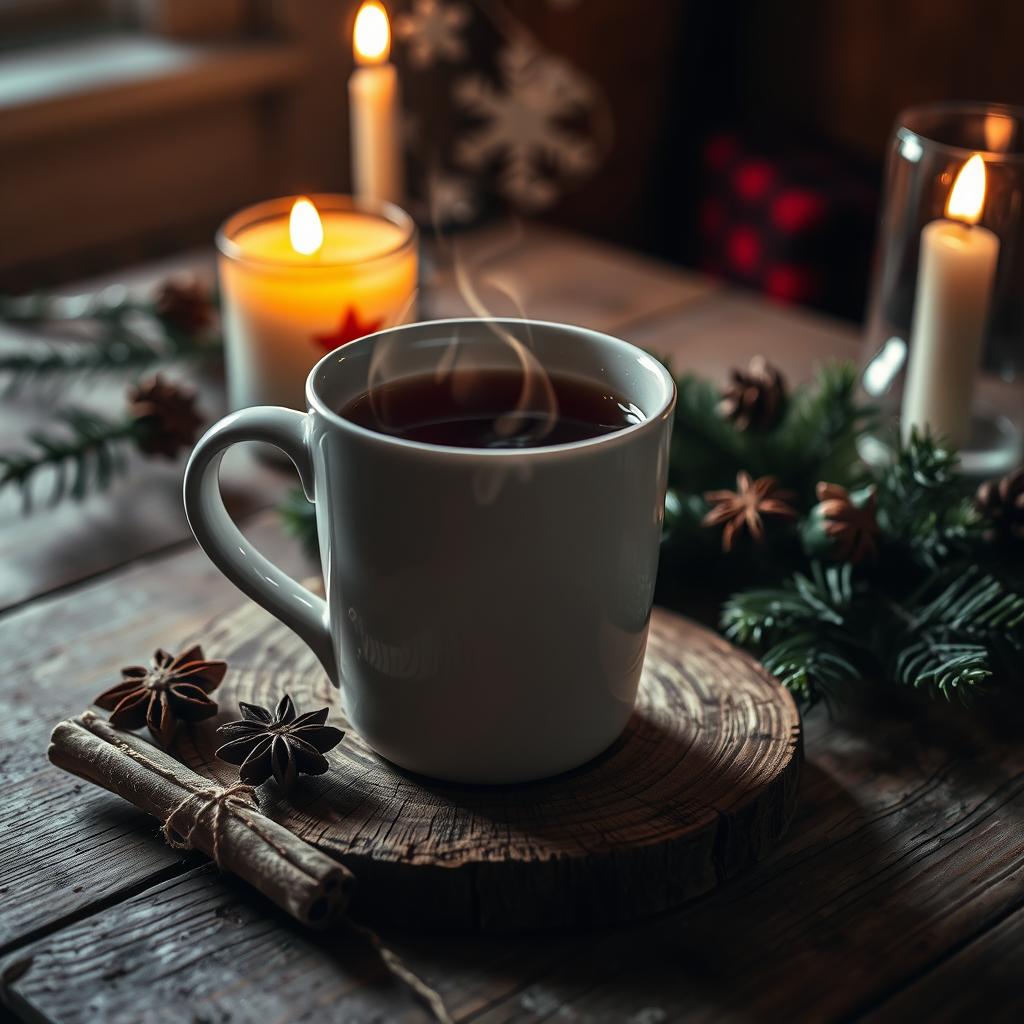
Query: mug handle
{"x": 256, "y": 576}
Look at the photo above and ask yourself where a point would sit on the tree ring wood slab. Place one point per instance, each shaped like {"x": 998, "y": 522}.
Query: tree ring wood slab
{"x": 702, "y": 783}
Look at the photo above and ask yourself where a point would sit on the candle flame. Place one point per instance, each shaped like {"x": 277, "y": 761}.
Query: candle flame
{"x": 371, "y": 40}
{"x": 304, "y": 228}
{"x": 967, "y": 197}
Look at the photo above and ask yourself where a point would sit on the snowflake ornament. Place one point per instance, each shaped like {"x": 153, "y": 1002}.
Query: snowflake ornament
{"x": 526, "y": 124}
{"x": 432, "y": 32}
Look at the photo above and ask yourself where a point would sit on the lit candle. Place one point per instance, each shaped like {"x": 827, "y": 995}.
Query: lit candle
{"x": 373, "y": 109}
{"x": 954, "y": 285}
{"x": 301, "y": 277}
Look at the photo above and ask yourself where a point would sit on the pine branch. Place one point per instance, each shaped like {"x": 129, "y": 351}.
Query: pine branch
{"x": 956, "y": 631}
{"x": 817, "y": 438}
{"x": 123, "y": 352}
{"x": 805, "y": 630}
{"x": 812, "y": 664}
{"x": 112, "y": 305}
{"x": 106, "y": 333}
{"x": 922, "y": 502}
{"x": 757, "y": 616}
{"x": 85, "y": 458}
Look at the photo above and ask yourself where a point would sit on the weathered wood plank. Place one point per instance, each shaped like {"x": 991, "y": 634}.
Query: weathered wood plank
{"x": 197, "y": 948}
{"x": 63, "y": 848}
{"x": 203, "y": 947}
{"x": 989, "y": 967}
{"x": 899, "y": 853}
{"x": 546, "y": 274}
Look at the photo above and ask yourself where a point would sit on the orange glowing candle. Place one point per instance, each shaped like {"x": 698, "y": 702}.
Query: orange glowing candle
{"x": 373, "y": 109}
{"x": 301, "y": 276}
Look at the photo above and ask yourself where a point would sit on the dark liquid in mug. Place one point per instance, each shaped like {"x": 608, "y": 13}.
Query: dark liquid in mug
{"x": 485, "y": 409}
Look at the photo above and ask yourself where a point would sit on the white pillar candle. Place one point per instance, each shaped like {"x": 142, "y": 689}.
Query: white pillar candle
{"x": 374, "y": 110}
{"x": 299, "y": 279}
{"x": 954, "y": 285}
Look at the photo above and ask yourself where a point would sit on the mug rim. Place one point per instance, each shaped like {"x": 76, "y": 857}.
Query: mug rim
{"x": 650, "y": 422}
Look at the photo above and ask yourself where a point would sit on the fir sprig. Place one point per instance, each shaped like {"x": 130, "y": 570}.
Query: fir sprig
{"x": 85, "y": 456}
{"x": 120, "y": 351}
{"x": 955, "y": 637}
{"x": 822, "y": 632}
{"x": 87, "y": 450}
{"x": 108, "y": 333}
{"x": 923, "y": 504}
{"x": 807, "y": 629}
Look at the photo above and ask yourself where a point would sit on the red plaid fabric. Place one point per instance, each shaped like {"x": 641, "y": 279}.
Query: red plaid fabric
{"x": 794, "y": 225}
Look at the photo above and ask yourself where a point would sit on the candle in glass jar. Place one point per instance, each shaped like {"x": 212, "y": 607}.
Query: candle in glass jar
{"x": 300, "y": 277}
{"x": 956, "y": 271}
{"x": 373, "y": 109}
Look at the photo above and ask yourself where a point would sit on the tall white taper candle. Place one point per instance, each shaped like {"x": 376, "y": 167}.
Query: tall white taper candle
{"x": 954, "y": 286}
{"x": 374, "y": 110}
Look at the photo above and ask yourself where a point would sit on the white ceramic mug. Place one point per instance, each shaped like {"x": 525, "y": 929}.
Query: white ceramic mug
{"x": 487, "y": 609}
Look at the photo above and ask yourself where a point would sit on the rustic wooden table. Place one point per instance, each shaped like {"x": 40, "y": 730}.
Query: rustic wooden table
{"x": 898, "y": 893}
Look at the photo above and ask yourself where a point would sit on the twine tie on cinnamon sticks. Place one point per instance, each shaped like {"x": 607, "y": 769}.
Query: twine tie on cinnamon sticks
{"x": 235, "y": 798}
{"x": 224, "y": 822}
{"x": 216, "y": 799}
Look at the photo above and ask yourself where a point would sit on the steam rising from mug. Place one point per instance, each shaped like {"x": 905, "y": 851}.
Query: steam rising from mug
{"x": 536, "y": 407}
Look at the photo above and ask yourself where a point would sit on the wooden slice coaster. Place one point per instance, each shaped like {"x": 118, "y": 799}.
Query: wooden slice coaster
{"x": 701, "y": 784}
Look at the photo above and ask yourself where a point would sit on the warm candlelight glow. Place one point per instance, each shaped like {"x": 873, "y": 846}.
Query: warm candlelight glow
{"x": 304, "y": 228}
{"x": 371, "y": 41}
{"x": 967, "y": 196}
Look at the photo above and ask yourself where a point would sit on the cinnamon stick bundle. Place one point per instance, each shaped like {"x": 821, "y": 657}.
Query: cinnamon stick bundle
{"x": 308, "y": 884}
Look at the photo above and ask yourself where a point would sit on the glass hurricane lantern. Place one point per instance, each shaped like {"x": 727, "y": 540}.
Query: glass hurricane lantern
{"x": 931, "y": 145}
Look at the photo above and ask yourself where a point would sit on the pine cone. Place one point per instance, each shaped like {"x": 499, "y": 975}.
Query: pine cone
{"x": 756, "y": 398}
{"x": 185, "y": 304}
{"x": 1001, "y": 504}
{"x": 842, "y": 524}
{"x": 166, "y": 414}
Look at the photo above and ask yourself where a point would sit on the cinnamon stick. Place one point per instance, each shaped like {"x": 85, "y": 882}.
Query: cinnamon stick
{"x": 308, "y": 884}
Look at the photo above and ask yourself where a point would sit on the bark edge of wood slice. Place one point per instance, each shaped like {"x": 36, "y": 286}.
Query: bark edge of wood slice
{"x": 701, "y": 784}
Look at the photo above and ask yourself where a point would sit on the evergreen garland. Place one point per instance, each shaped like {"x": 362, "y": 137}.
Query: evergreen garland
{"x": 887, "y": 574}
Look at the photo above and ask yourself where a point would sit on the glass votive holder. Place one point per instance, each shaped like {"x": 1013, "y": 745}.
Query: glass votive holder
{"x": 944, "y": 349}
{"x": 295, "y": 285}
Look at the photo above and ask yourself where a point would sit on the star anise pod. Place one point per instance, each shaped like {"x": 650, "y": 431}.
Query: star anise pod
{"x": 756, "y": 398}
{"x": 185, "y": 304}
{"x": 1001, "y": 504}
{"x": 849, "y": 522}
{"x": 171, "y": 690}
{"x": 166, "y": 414}
{"x": 281, "y": 743}
{"x": 746, "y": 507}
